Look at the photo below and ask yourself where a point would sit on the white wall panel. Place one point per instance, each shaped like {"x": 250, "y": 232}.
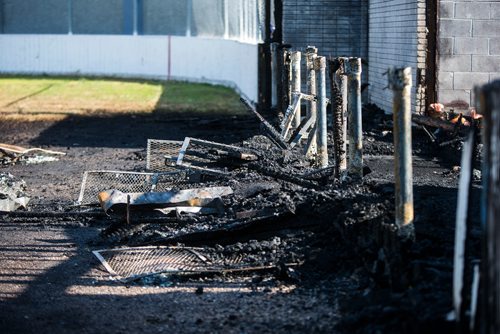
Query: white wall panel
{"x": 221, "y": 61}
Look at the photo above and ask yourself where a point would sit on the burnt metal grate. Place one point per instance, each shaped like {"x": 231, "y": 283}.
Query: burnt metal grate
{"x": 96, "y": 181}
{"x": 129, "y": 264}
{"x": 161, "y": 155}
{"x": 135, "y": 262}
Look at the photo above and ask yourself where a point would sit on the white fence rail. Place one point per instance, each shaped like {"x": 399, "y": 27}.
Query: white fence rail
{"x": 226, "y": 62}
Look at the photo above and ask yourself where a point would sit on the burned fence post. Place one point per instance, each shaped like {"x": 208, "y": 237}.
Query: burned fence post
{"x": 400, "y": 82}
{"x": 489, "y": 97}
{"x": 352, "y": 68}
{"x": 312, "y": 89}
{"x": 285, "y": 91}
{"x": 338, "y": 89}
{"x": 321, "y": 121}
{"x": 296, "y": 84}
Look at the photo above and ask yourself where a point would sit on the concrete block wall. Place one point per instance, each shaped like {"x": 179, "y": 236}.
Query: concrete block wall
{"x": 468, "y": 49}
{"x": 397, "y": 37}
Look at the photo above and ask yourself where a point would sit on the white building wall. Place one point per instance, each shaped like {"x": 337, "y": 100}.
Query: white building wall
{"x": 396, "y": 37}
{"x": 226, "y": 62}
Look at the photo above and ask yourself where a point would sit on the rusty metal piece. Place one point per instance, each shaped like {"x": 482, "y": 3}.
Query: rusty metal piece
{"x": 186, "y": 197}
{"x": 352, "y": 68}
{"x": 400, "y": 82}
{"x": 338, "y": 83}
{"x": 321, "y": 121}
{"x": 296, "y": 83}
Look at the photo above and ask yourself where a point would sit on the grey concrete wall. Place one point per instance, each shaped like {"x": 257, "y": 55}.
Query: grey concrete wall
{"x": 97, "y": 16}
{"x": 35, "y": 16}
{"x": 336, "y": 28}
{"x": 165, "y": 17}
{"x": 397, "y": 37}
{"x": 468, "y": 49}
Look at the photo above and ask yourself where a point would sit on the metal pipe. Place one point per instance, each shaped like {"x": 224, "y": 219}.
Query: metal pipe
{"x": 321, "y": 121}
{"x": 338, "y": 90}
{"x": 312, "y": 89}
{"x": 296, "y": 83}
{"x": 400, "y": 82}
{"x": 489, "y": 106}
{"x": 352, "y": 68}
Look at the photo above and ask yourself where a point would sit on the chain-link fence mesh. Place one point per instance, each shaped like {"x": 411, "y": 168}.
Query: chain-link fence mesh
{"x": 199, "y": 157}
{"x": 142, "y": 261}
{"x": 96, "y": 181}
{"x": 161, "y": 155}
{"x": 139, "y": 261}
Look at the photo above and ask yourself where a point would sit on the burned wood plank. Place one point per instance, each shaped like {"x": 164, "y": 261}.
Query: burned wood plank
{"x": 440, "y": 124}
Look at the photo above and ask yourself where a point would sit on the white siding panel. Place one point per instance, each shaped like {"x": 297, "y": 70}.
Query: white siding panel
{"x": 194, "y": 59}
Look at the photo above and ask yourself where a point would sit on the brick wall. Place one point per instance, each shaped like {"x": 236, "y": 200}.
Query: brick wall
{"x": 468, "y": 49}
{"x": 336, "y": 28}
{"x": 397, "y": 37}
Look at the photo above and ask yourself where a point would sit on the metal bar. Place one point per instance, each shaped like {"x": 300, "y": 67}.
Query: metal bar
{"x": 303, "y": 132}
{"x": 338, "y": 90}
{"x": 400, "y": 82}
{"x": 489, "y": 106}
{"x": 321, "y": 121}
{"x": 296, "y": 83}
{"x": 289, "y": 118}
{"x": 223, "y": 147}
{"x": 182, "y": 151}
{"x": 352, "y": 68}
{"x": 461, "y": 221}
{"x": 270, "y": 130}
{"x": 312, "y": 90}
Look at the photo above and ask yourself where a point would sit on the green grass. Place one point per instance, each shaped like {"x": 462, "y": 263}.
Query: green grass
{"x": 63, "y": 95}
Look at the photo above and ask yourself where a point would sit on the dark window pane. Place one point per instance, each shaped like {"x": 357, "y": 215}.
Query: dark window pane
{"x": 165, "y": 17}
{"x": 98, "y": 16}
{"x": 35, "y": 16}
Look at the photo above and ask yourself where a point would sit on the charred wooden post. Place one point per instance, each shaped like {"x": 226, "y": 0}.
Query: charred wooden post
{"x": 400, "y": 82}
{"x": 352, "y": 68}
{"x": 321, "y": 121}
{"x": 338, "y": 90}
{"x": 489, "y": 106}
{"x": 296, "y": 83}
{"x": 312, "y": 89}
{"x": 285, "y": 90}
